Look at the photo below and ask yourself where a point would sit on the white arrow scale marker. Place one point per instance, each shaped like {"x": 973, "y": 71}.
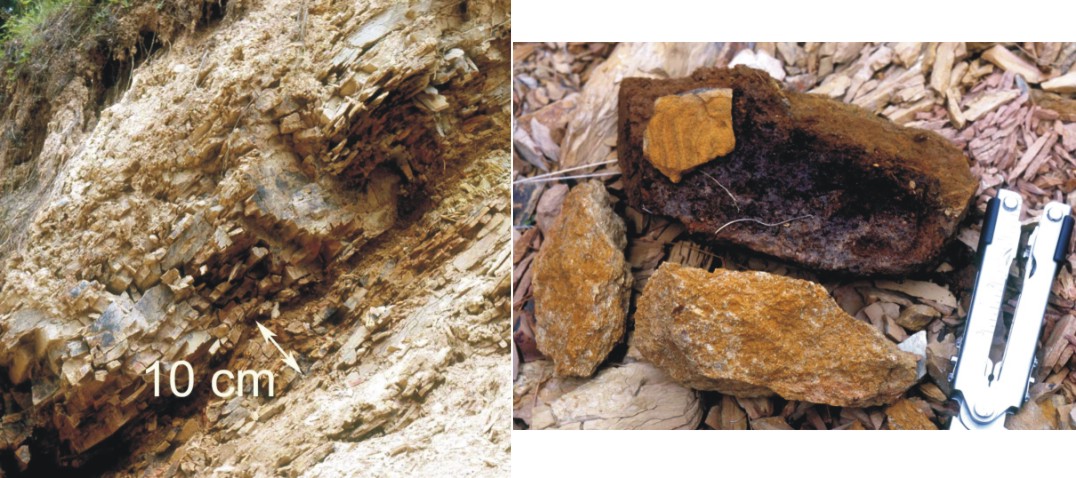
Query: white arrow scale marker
{"x": 288, "y": 358}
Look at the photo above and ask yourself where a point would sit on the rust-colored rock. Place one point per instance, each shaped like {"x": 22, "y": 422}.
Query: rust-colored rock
{"x": 864, "y": 195}
{"x": 909, "y": 415}
{"x": 582, "y": 283}
{"x": 689, "y": 129}
{"x": 753, "y": 334}
{"x": 1036, "y": 414}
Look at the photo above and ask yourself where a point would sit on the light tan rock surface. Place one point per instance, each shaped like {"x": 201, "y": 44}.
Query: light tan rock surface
{"x": 633, "y": 396}
{"x": 582, "y": 283}
{"x": 753, "y": 334}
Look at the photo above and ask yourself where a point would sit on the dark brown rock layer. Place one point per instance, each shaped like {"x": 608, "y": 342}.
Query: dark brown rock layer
{"x": 868, "y": 196}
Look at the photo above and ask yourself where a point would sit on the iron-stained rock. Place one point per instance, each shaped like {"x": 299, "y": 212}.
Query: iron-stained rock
{"x": 753, "y": 334}
{"x": 582, "y": 283}
{"x": 907, "y": 414}
{"x": 868, "y": 196}
{"x": 689, "y": 129}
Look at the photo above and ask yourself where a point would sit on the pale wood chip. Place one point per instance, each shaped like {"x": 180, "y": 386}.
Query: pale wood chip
{"x": 1010, "y": 62}
{"x": 908, "y": 53}
{"x": 942, "y": 70}
{"x": 1057, "y": 342}
{"x": 986, "y": 103}
{"x": 833, "y": 86}
{"x": 921, "y": 289}
{"x": 1029, "y": 155}
{"x": 1063, "y": 84}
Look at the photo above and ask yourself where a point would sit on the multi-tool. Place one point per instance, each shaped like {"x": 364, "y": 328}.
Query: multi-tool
{"x": 985, "y": 386}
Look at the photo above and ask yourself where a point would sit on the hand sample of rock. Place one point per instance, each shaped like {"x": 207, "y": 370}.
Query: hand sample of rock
{"x": 635, "y": 396}
{"x": 582, "y": 283}
{"x": 860, "y": 194}
{"x": 689, "y": 129}
{"x": 753, "y": 334}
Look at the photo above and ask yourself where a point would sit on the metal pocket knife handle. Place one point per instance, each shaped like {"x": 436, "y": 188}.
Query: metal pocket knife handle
{"x": 987, "y": 391}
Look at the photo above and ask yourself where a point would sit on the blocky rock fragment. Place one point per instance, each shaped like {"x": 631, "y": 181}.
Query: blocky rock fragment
{"x": 811, "y": 180}
{"x": 582, "y": 283}
{"x": 754, "y": 334}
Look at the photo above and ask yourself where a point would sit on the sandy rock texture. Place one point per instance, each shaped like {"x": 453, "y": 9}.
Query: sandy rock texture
{"x": 909, "y": 414}
{"x": 689, "y": 129}
{"x": 582, "y": 283}
{"x": 331, "y": 170}
{"x": 754, "y": 334}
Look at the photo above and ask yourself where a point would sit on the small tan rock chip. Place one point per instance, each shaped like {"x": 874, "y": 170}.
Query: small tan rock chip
{"x": 909, "y": 415}
{"x": 752, "y": 334}
{"x": 582, "y": 283}
{"x": 688, "y": 130}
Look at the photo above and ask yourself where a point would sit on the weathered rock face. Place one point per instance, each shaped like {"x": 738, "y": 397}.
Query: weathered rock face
{"x": 635, "y": 396}
{"x": 242, "y": 173}
{"x": 582, "y": 283}
{"x": 753, "y": 334}
{"x": 868, "y": 196}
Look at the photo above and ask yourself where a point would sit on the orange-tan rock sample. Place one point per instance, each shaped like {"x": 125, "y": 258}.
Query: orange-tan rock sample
{"x": 754, "y": 334}
{"x": 582, "y": 283}
{"x": 689, "y": 129}
{"x": 908, "y": 415}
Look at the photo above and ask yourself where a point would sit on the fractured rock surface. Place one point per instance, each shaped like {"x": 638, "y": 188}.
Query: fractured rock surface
{"x": 860, "y": 194}
{"x": 754, "y": 334}
{"x": 259, "y": 170}
{"x": 582, "y": 283}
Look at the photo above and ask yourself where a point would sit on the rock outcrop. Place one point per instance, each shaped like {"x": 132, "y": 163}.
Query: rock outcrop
{"x": 582, "y": 283}
{"x": 332, "y": 171}
{"x": 852, "y": 192}
{"x": 754, "y": 334}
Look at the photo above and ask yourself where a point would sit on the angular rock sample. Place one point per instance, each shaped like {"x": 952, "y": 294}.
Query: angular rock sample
{"x": 753, "y": 334}
{"x": 582, "y": 283}
{"x": 689, "y": 129}
{"x": 909, "y": 415}
{"x": 636, "y": 396}
{"x": 860, "y": 194}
